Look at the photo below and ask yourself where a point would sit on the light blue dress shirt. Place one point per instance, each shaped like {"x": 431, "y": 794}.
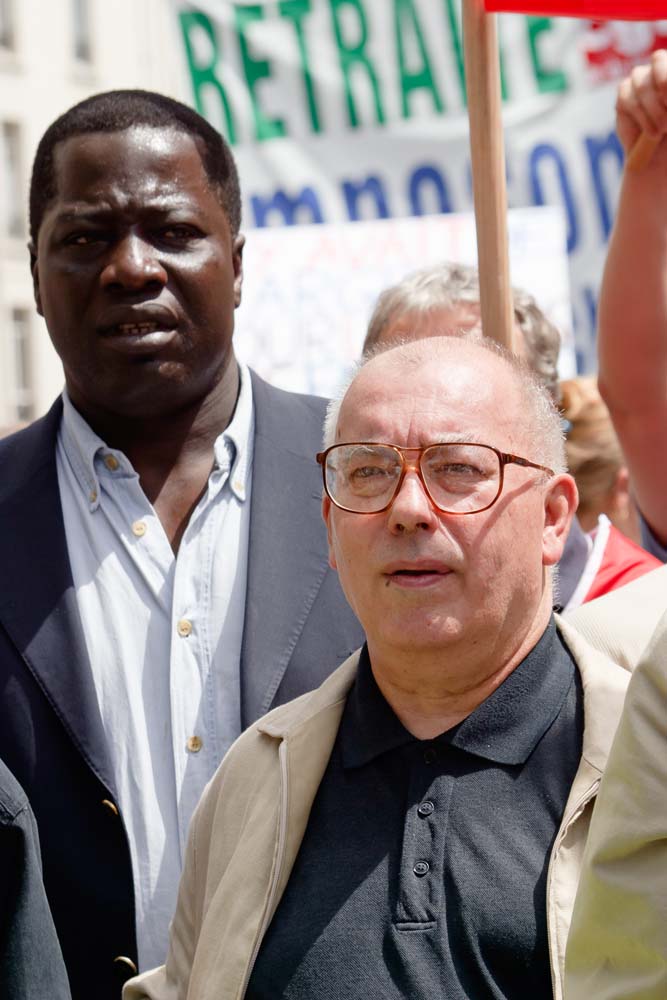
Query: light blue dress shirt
{"x": 164, "y": 636}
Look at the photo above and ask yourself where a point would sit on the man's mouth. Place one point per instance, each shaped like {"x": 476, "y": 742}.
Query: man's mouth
{"x": 135, "y": 329}
{"x": 416, "y": 572}
{"x": 141, "y": 338}
{"x": 417, "y": 576}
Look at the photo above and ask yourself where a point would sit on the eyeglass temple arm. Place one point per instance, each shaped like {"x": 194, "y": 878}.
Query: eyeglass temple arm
{"x": 517, "y": 460}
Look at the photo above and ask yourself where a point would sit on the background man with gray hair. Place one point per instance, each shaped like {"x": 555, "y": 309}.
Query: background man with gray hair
{"x": 447, "y": 295}
{"x": 390, "y": 834}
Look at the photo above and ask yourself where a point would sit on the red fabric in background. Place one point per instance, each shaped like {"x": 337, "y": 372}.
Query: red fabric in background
{"x": 602, "y": 10}
{"x": 622, "y": 562}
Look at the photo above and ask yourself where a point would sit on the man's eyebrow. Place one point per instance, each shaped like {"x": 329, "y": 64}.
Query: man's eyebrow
{"x": 77, "y": 213}
{"x": 461, "y": 439}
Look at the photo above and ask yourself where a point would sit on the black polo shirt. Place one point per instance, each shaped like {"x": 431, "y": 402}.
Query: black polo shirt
{"x": 422, "y": 873}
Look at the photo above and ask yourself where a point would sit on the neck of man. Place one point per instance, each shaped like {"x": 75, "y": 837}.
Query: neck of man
{"x": 432, "y": 690}
{"x": 178, "y": 441}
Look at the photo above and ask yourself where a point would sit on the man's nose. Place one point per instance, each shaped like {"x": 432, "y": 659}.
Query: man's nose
{"x": 133, "y": 263}
{"x": 412, "y": 508}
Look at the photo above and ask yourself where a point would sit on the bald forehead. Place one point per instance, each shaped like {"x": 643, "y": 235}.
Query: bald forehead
{"x": 446, "y": 385}
{"x": 432, "y": 357}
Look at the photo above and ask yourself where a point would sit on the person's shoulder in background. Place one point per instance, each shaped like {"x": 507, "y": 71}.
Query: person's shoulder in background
{"x": 622, "y": 622}
{"x": 31, "y": 964}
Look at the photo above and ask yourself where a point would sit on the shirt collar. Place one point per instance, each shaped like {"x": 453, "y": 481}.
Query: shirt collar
{"x": 369, "y": 726}
{"x": 81, "y": 444}
{"x": 91, "y": 458}
{"x": 505, "y": 728}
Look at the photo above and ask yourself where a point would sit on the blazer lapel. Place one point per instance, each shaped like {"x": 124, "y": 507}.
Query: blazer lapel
{"x": 38, "y": 605}
{"x": 287, "y": 551}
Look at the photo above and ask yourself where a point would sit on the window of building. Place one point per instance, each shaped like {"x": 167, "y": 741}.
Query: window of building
{"x": 6, "y": 24}
{"x": 82, "y": 41}
{"x": 12, "y": 219}
{"x": 23, "y": 387}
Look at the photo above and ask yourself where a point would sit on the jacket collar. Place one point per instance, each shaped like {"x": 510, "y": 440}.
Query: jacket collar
{"x": 287, "y": 552}
{"x": 604, "y": 685}
{"x": 288, "y": 721}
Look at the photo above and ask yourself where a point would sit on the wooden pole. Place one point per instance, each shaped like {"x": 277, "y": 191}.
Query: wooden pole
{"x": 487, "y": 154}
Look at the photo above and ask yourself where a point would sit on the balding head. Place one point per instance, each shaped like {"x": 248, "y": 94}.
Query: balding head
{"x": 534, "y": 412}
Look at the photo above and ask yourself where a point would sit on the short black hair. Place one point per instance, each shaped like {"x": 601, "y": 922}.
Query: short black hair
{"x": 118, "y": 110}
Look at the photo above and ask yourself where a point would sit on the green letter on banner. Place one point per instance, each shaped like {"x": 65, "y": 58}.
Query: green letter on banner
{"x": 202, "y": 76}
{"x": 351, "y": 54}
{"x": 255, "y": 69}
{"x": 546, "y": 81}
{"x": 404, "y": 13}
{"x": 455, "y": 28}
{"x": 294, "y": 11}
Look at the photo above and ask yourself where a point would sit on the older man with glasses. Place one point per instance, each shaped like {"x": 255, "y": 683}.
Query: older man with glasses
{"x": 414, "y": 828}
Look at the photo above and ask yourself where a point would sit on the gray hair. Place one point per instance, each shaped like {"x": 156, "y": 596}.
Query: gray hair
{"x": 446, "y": 286}
{"x": 539, "y": 411}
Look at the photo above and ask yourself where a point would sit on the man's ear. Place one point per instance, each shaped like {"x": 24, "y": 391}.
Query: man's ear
{"x": 620, "y": 492}
{"x": 237, "y": 260}
{"x": 560, "y": 504}
{"x": 34, "y": 270}
{"x": 326, "y": 514}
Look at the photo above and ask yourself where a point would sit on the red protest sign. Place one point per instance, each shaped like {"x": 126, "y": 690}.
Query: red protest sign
{"x": 594, "y": 10}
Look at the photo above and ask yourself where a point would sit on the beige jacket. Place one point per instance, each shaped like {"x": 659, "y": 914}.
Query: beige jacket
{"x": 247, "y": 829}
{"x": 618, "y": 942}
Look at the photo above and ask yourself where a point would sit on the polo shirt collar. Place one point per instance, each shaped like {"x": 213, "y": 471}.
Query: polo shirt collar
{"x": 505, "y": 728}
{"x": 369, "y": 726}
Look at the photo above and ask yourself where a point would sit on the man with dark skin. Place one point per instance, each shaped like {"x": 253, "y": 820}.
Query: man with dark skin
{"x": 169, "y": 569}
{"x": 159, "y": 394}
{"x": 148, "y": 359}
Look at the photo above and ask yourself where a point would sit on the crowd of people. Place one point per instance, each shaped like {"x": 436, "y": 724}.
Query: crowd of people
{"x": 444, "y": 586}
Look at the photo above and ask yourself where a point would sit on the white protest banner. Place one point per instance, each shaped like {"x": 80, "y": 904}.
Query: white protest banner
{"x": 355, "y": 109}
{"x": 309, "y": 290}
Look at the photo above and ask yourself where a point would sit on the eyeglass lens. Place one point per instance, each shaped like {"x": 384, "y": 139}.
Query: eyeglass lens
{"x": 460, "y": 478}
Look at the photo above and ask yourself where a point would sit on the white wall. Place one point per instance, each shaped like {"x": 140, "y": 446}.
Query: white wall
{"x": 39, "y": 79}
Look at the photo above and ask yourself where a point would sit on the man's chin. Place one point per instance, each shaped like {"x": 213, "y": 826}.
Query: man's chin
{"x": 155, "y": 394}
{"x": 423, "y": 632}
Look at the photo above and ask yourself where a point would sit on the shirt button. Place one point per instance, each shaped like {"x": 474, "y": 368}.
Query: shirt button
{"x": 124, "y": 960}
{"x": 93, "y": 496}
{"x": 421, "y": 868}
{"x": 430, "y": 756}
{"x": 426, "y": 808}
{"x": 111, "y": 462}
{"x": 139, "y": 528}
{"x": 184, "y": 628}
{"x": 194, "y": 744}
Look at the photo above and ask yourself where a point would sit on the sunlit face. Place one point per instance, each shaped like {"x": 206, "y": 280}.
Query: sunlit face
{"x": 418, "y": 578}
{"x": 137, "y": 273}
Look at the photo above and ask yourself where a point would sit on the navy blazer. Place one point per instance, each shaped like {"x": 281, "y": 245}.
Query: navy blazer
{"x": 298, "y": 628}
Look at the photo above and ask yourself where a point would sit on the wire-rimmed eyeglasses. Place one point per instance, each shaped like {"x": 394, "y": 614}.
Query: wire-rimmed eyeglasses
{"x": 365, "y": 477}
